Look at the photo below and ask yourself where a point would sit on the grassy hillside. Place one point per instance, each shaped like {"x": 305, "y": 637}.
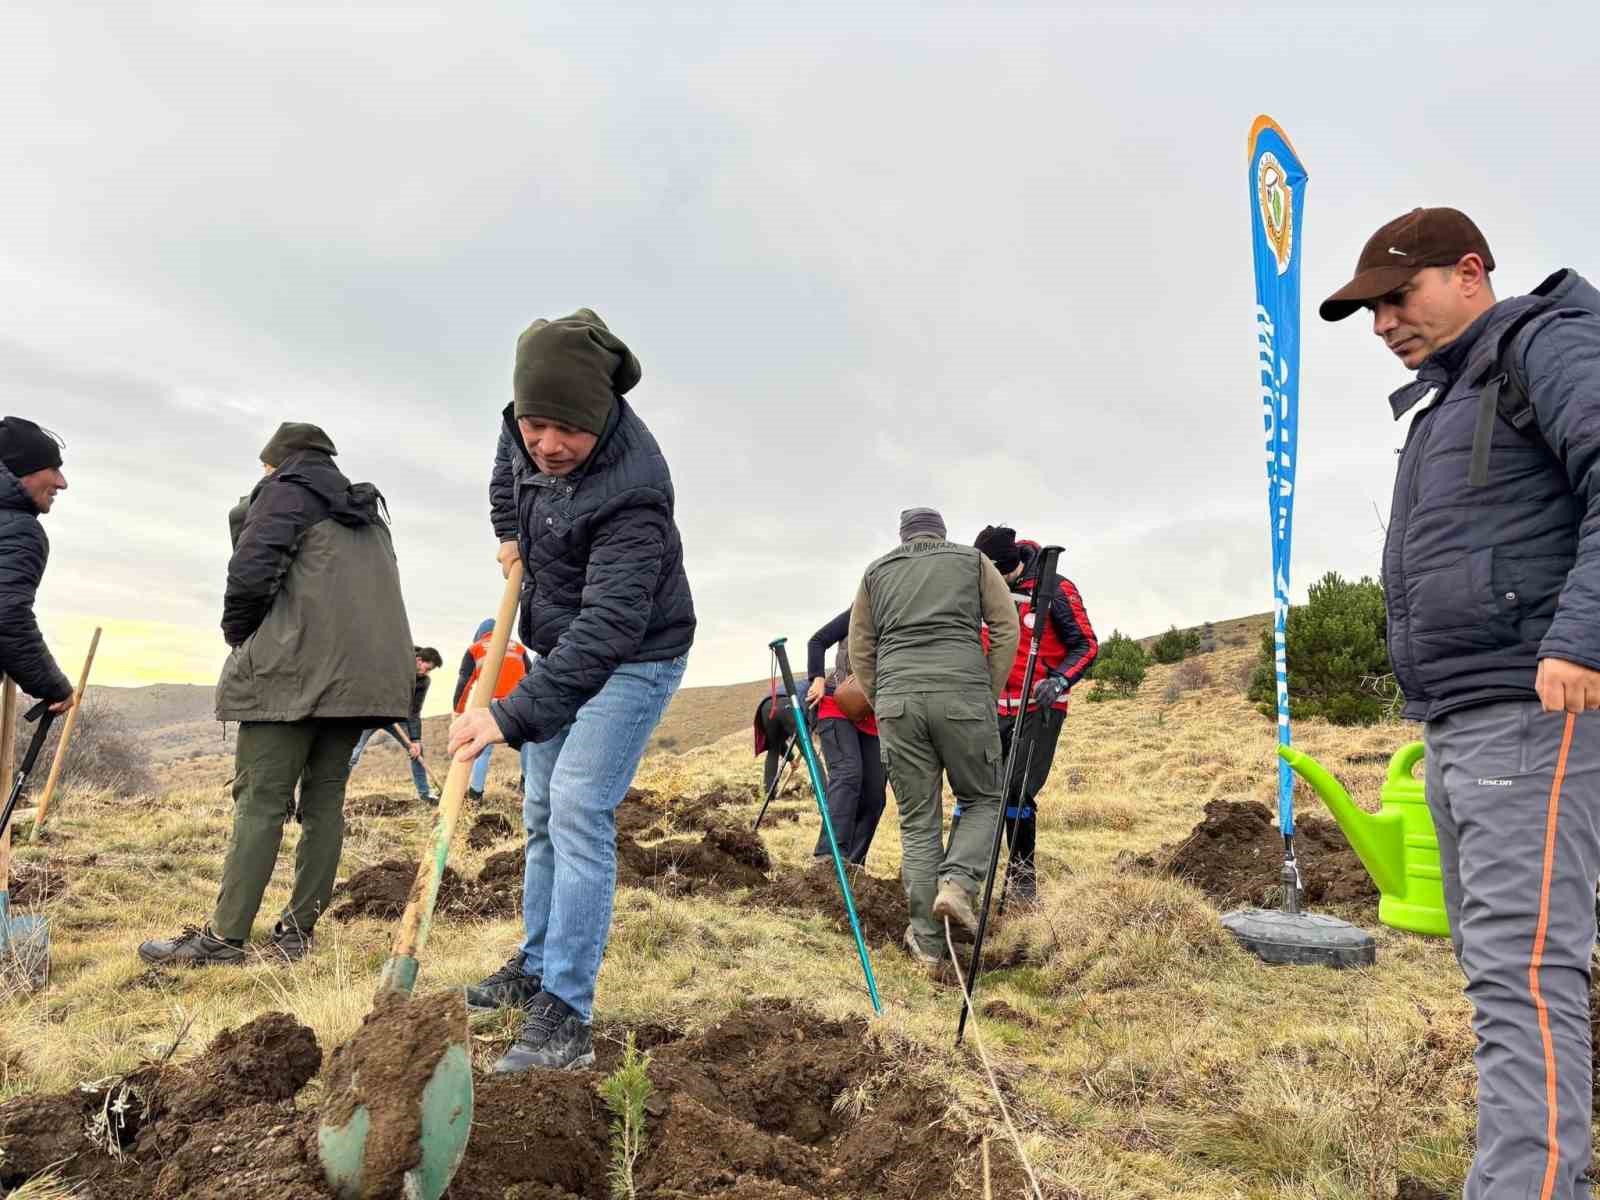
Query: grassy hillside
{"x": 1143, "y": 1054}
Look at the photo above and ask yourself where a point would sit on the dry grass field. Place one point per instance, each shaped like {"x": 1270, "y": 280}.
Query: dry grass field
{"x": 1142, "y": 1053}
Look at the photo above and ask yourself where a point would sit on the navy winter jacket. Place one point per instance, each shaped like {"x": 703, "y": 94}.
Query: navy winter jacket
{"x": 1483, "y": 582}
{"x": 604, "y": 582}
{"x": 24, "y": 551}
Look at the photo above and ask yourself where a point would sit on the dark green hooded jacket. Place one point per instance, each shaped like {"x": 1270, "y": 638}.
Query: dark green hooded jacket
{"x": 313, "y": 609}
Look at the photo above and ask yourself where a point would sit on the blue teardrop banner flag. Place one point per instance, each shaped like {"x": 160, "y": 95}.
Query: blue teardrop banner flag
{"x": 1277, "y": 186}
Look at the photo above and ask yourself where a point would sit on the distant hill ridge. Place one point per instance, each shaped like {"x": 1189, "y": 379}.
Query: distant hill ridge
{"x": 176, "y": 719}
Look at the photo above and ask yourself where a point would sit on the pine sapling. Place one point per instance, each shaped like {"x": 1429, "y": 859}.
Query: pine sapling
{"x": 625, "y": 1091}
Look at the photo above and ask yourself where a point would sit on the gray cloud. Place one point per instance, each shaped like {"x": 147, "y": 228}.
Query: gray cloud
{"x": 996, "y": 261}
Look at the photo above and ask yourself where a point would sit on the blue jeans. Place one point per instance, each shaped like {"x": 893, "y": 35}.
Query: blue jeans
{"x": 419, "y": 774}
{"x": 574, "y": 783}
{"x": 480, "y": 770}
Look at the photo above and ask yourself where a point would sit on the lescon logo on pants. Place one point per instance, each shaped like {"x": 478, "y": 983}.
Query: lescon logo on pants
{"x": 1277, "y": 208}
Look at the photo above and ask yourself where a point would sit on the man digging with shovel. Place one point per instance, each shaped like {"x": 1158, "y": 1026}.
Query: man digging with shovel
{"x": 319, "y": 651}
{"x": 581, "y": 484}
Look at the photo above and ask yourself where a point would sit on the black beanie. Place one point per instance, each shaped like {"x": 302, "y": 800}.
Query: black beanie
{"x": 292, "y": 437}
{"x": 26, "y": 448}
{"x": 1000, "y": 544}
{"x": 570, "y": 370}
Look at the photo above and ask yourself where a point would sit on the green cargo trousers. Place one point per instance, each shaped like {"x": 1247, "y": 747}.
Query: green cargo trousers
{"x": 925, "y": 736}
{"x": 273, "y": 756}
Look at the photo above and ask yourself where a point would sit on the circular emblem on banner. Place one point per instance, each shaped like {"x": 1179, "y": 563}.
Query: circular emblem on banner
{"x": 1276, "y": 202}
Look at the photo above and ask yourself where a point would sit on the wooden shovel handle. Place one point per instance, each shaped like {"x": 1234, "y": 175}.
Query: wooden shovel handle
{"x": 66, "y": 737}
{"x": 8, "y": 769}
{"x": 415, "y": 921}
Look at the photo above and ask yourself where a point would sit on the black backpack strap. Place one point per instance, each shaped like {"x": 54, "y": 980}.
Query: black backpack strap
{"x": 1505, "y": 394}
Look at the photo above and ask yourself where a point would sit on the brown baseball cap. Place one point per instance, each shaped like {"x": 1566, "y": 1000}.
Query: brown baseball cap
{"x": 1424, "y": 237}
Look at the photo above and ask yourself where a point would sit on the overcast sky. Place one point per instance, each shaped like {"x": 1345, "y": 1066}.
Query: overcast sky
{"x": 992, "y": 259}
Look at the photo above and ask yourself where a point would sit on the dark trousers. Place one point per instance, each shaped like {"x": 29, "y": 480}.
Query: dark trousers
{"x": 856, "y": 784}
{"x": 271, "y": 758}
{"x": 1041, "y": 732}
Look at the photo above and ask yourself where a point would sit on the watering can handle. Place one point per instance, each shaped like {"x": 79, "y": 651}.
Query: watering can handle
{"x": 1404, "y": 762}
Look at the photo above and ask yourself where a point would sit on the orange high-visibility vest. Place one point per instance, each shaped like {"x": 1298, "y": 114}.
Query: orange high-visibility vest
{"x": 511, "y": 669}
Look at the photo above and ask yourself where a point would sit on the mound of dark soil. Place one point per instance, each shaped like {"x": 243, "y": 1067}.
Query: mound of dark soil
{"x": 638, "y": 813}
{"x": 222, "y": 1124}
{"x": 488, "y": 829}
{"x": 34, "y": 884}
{"x": 745, "y": 1109}
{"x": 380, "y": 804}
{"x": 749, "y": 1108}
{"x": 701, "y": 812}
{"x": 381, "y": 891}
{"x": 724, "y": 859}
{"x": 1235, "y": 853}
{"x": 880, "y": 903}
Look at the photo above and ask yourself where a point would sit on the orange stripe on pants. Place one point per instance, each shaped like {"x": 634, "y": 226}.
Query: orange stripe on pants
{"x": 1553, "y": 1149}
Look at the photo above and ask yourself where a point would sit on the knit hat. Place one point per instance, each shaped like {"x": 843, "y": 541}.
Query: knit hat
{"x": 570, "y": 371}
{"x": 1000, "y": 544}
{"x": 292, "y": 437}
{"x": 26, "y": 448}
{"x": 921, "y": 522}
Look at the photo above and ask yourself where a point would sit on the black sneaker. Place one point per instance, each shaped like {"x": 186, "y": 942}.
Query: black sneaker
{"x": 506, "y": 988}
{"x": 289, "y": 941}
{"x": 196, "y": 946}
{"x": 552, "y": 1039}
{"x": 474, "y": 796}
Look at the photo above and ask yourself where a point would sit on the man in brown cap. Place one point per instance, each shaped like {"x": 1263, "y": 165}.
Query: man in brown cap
{"x": 1491, "y": 576}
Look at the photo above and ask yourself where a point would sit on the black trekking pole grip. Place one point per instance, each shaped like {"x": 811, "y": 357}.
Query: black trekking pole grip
{"x": 1046, "y": 574}
{"x": 39, "y": 712}
{"x": 777, "y": 648}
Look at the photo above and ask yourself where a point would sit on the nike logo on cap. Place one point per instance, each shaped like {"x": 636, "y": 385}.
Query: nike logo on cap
{"x": 1401, "y": 253}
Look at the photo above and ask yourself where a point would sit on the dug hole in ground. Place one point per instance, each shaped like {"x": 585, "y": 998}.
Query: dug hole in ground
{"x": 1140, "y": 1051}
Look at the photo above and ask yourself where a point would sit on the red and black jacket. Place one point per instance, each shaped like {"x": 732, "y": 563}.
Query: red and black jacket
{"x": 1068, "y": 646}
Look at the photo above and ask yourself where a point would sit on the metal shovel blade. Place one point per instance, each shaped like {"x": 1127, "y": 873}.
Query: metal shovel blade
{"x": 446, "y": 1124}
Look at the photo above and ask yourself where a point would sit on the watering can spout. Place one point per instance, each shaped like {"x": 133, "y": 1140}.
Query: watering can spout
{"x": 1377, "y": 838}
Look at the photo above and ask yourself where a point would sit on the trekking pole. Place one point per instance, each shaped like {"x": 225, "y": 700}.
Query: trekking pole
{"x": 778, "y": 778}
{"x": 803, "y": 735}
{"x": 41, "y": 713}
{"x": 1044, "y": 584}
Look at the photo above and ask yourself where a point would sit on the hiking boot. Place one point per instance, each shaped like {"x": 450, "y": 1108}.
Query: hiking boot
{"x": 474, "y": 796}
{"x": 552, "y": 1039}
{"x": 936, "y": 966}
{"x": 1022, "y": 885}
{"x": 196, "y": 946}
{"x": 955, "y": 902}
{"x": 506, "y": 988}
{"x": 290, "y": 941}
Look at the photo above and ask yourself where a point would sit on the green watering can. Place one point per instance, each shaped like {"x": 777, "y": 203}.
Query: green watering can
{"x": 1397, "y": 844}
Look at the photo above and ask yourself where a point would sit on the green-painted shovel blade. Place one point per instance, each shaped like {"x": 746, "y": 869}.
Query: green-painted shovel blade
{"x": 446, "y": 1125}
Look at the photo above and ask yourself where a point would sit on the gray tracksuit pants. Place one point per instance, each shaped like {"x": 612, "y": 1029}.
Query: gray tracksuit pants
{"x": 1515, "y": 796}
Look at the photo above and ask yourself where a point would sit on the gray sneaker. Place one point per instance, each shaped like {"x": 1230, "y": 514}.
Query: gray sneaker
{"x": 955, "y": 902}
{"x": 289, "y": 942}
{"x": 552, "y": 1039}
{"x": 506, "y": 988}
{"x": 196, "y": 946}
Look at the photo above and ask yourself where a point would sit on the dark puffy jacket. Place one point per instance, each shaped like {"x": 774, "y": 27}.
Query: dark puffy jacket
{"x": 1482, "y": 582}
{"x": 605, "y": 583}
{"x": 24, "y": 551}
{"x": 313, "y": 609}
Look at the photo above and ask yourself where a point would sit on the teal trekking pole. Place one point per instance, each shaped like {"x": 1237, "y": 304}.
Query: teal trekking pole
{"x": 803, "y": 736}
